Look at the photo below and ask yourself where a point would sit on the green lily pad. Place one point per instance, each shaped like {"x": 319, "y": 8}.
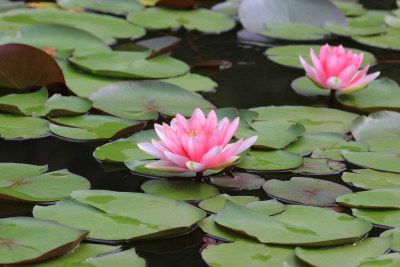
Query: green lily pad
{"x": 378, "y": 125}
{"x": 294, "y": 31}
{"x": 304, "y": 86}
{"x": 288, "y": 55}
{"x": 375, "y": 160}
{"x": 240, "y": 180}
{"x": 381, "y": 94}
{"x": 123, "y": 64}
{"x": 387, "y": 260}
{"x": 180, "y": 190}
{"x": 306, "y": 190}
{"x": 267, "y": 207}
{"x": 390, "y": 40}
{"x": 393, "y": 21}
{"x": 384, "y": 217}
{"x": 372, "y": 199}
{"x": 120, "y": 99}
{"x": 38, "y": 104}
{"x": 200, "y": 19}
{"x": 104, "y": 27}
{"x": 298, "y": 225}
{"x": 325, "y": 145}
{"x": 354, "y": 30}
{"x": 45, "y": 187}
{"x": 314, "y": 119}
{"x": 210, "y": 227}
{"x": 384, "y": 145}
{"x": 313, "y": 166}
{"x": 229, "y": 8}
{"x": 25, "y": 240}
{"x": 275, "y": 134}
{"x": 350, "y": 9}
{"x": 118, "y": 7}
{"x": 19, "y": 127}
{"x": 371, "y": 179}
{"x": 248, "y": 253}
{"x": 193, "y": 82}
{"x": 396, "y": 237}
{"x": 121, "y": 216}
{"x": 93, "y": 127}
{"x": 276, "y": 160}
{"x": 349, "y": 255}
{"x": 371, "y": 18}
{"x": 216, "y": 204}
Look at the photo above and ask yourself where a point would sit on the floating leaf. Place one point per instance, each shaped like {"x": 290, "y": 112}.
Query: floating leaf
{"x": 372, "y": 199}
{"x": 209, "y": 226}
{"x": 349, "y": 255}
{"x": 121, "y": 216}
{"x": 313, "y": 166}
{"x": 25, "y": 240}
{"x": 123, "y": 64}
{"x": 396, "y": 237}
{"x": 19, "y": 127}
{"x": 393, "y": 21}
{"x": 110, "y": 6}
{"x": 375, "y": 160}
{"x": 306, "y": 190}
{"x": 390, "y": 40}
{"x": 354, "y": 30}
{"x": 384, "y": 145}
{"x": 388, "y": 260}
{"x": 304, "y": 86}
{"x": 370, "y": 18}
{"x": 193, "y": 82}
{"x": 298, "y": 225}
{"x": 277, "y": 160}
{"x": 350, "y": 9}
{"x": 267, "y": 207}
{"x": 378, "y": 125}
{"x": 293, "y": 31}
{"x": 384, "y": 217}
{"x": 216, "y": 204}
{"x": 229, "y": 8}
{"x": 93, "y": 127}
{"x": 120, "y": 99}
{"x": 160, "y": 45}
{"x": 314, "y": 119}
{"x": 180, "y": 190}
{"x": 288, "y": 55}
{"x": 200, "y": 19}
{"x": 240, "y": 180}
{"x": 371, "y": 179}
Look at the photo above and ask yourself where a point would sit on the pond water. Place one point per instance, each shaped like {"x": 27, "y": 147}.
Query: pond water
{"x": 251, "y": 81}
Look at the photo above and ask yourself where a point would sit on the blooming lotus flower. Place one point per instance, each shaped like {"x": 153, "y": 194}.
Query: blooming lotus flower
{"x": 196, "y": 145}
{"x": 337, "y": 70}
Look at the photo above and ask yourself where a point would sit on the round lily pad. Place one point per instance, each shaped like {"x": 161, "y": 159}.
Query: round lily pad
{"x": 371, "y": 18}
{"x": 378, "y": 125}
{"x": 210, "y": 227}
{"x": 240, "y": 180}
{"x": 288, "y": 55}
{"x": 93, "y": 127}
{"x": 384, "y": 145}
{"x": 304, "y": 86}
{"x": 354, "y": 30}
{"x": 372, "y": 179}
{"x": 200, "y": 19}
{"x": 267, "y": 207}
{"x": 390, "y": 40}
{"x": 120, "y": 99}
{"x": 19, "y": 127}
{"x": 349, "y": 255}
{"x": 375, "y": 160}
{"x": 298, "y": 225}
{"x": 123, "y": 64}
{"x": 118, "y": 7}
{"x": 121, "y": 216}
{"x": 381, "y": 94}
{"x": 313, "y": 166}
{"x": 314, "y": 119}
{"x": 193, "y": 82}
{"x": 277, "y": 160}
{"x": 293, "y": 31}
{"x": 306, "y": 190}
{"x": 372, "y": 199}
{"x": 396, "y": 237}
{"x": 215, "y": 204}
{"x": 26, "y": 239}
{"x": 38, "y": 104}
{"x": 180, "y": 190}
{"x": 383, "y": 217}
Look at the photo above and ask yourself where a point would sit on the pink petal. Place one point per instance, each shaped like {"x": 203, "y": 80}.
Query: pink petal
{"x": 197, "y": 113}
{"x": 367, "y": 79}
{"x": 195, "y": 150}
{"x": 165, "y": 166}
{"x": 211, "y": 122}
{"x": 246, "y": 144}
{"x": 195, "y": 166}
{"x": 347, "y": 74}
{"x": 332, "y": 67}
{"x": 151, "y": 150}
{"x": 211, "y": 155}
{"x": 182, "y": 121}
{"x": 161, "y": 132}
{"x": 230, "y": 149}
{"x": 317, "y": 65}
{"x": 177, "y": 159}
{"x": 308, "y": 68}
{"x": 227, "y": 136}
{"x": 227, "y": 162}
{"x": 359, "y": 75}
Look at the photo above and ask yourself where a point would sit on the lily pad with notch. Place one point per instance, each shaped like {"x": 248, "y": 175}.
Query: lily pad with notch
{"x": 312, "y": 166}
{"x": 372, "y": 199}
{"x": 240, "y": 180}
{"x": 21, "y": 127}
{"x": 276, "y": 160}
{"x": 372, "y": 179}
{"x": 375, "y": 160}
{"x": 216, "y": 204}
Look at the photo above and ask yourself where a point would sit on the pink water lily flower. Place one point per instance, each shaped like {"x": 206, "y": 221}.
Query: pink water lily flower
{"x": 337, "y": 70}
{"x": 196, "y": 145}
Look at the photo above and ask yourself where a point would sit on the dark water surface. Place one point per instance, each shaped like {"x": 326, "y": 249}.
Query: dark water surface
{"x": 251, "y": 81}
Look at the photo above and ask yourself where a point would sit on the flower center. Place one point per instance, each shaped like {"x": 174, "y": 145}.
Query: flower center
{"x": 193, "y": 133}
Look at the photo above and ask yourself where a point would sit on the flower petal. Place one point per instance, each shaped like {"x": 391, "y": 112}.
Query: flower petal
{"x": 197, "y": 113}
{"x": 211, "y": 156}
{"x": 165, "y": 166}
{"x": 151, "y": 150}
{"x": 177, "y": 159}
{"x": 227, "y": 162}
{"x": 195, "y": 166}
{"x": 308, "y": 68}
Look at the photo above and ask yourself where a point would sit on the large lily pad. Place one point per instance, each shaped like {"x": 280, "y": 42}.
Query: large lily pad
{"x": 120, "y": 99}
{"x": 93, "y": 127}
{"x": 372, "y": 199}
{"x": 195, "y": 19}
{"x": 123, "y": 64}
{"x": 118, "y": 7}
{"x": 349, "y": 255}
{"x": 372, "y": 179}
{"x": 193, "y": 82}
{"x": 396, "y": 237}
{"x": 276, "y": 160}
{"x": 180, "y": 190}
{"x": 313, "y": 166}
{"x": 371, "y": 18}
{"x": 378, "y": 125}
{"x": 103, "y": 26}
{"x": 19, "y": 127}
{"x": 216, "y": 204}
{"x": 304, "y": 86}
{"x": 120, "y": 216}
{"x": 390, "y": 40}
{"x": 240, "y": 180}
{"x": 306, "y": 190}
{"x": 354, "y": 30}
{"x": 38, "y": 104}
{"x": 267, "y": 207}
{"x": 298, "y": 225}
{"x": 384, "y": 145}
{"x": 375, "y": 160}
{"x": 25, "y": 240}
{"x": 314, "y": 119}
{"x": 293, "y": 31}
{"x": 288, "y": 55}
{"x": 351, "y": 9}
{"x": 210, "y": 227}
{"x": 387, "y": 260}
{"x": 384, "y": 217}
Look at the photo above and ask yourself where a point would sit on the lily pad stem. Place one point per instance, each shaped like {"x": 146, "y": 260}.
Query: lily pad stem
{"x": 199, "y": 176}
{"x": 332, "y": 98}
